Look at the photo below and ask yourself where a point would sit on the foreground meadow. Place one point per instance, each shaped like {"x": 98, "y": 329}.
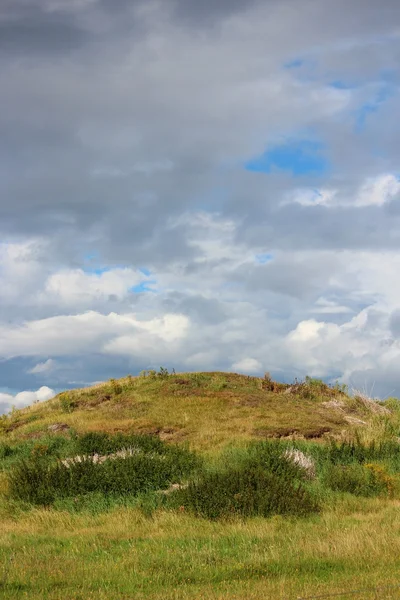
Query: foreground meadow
{"x": 124, "y": 554}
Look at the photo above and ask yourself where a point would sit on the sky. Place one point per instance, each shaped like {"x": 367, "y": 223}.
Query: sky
{"x": 205, "y": 185}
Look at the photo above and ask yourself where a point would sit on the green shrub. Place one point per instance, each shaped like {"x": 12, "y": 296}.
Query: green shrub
{"x": 357, "y": 479}
{"x": 267, "y": 455}
{"x": 245, "y": 492}
{"x": 39, "y": 481}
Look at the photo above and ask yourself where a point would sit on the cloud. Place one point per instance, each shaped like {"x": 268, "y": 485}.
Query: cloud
{"x": 43, "y": 367}
{"x": 91, "y": 331}
{"x": 22, "y": 399}
{"x": 75, "y": 287}
{"x": 375, "y": 191}
{"x": 247, "y": 365}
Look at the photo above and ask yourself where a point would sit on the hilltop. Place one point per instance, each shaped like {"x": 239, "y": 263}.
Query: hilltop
{"x": 207, "y": 410}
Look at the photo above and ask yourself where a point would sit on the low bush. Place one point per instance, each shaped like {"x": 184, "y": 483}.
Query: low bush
{"x": 245, "y": 492}
{"x": 40, "y": 482}
{"x": 360, "y": 480}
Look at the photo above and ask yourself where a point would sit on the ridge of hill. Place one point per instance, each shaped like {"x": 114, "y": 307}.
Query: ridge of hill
{"x": 207, "y": 410}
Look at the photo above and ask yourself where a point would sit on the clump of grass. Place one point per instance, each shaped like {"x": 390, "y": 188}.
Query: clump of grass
{"x": 354, "y": 451}
{"x": 115, "y": 387}
{"x": 48, "y": 446}
{"x": 97, "y": 442}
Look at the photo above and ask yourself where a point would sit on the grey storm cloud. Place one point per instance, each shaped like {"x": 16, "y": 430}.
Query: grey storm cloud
{"x": 125, "y": 130}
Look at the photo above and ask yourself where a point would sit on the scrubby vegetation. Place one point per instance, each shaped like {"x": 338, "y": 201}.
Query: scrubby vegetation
{"x": 229, "y": 473}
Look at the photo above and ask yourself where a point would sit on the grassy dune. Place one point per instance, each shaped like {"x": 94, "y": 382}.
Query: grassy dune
{"x": 124, "y": 550}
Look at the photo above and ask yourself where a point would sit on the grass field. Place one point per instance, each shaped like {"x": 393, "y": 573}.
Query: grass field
{"x": 128, "y": 548}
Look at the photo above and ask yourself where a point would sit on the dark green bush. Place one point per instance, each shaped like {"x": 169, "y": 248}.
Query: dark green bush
{"x": 245, "y": 492}
{"x": 40, "y": 482}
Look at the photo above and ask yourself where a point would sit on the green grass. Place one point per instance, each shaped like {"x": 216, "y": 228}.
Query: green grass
{"x": 124, "y": 554}
{"x": 225, "y": 436}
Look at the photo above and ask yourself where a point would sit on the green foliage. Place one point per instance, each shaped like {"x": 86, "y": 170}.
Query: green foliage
{"x": 67, "y": 405}
{"x": 393, "y": 404}
{"x": 254, "y": 480}
{"x": 358, "y": 479}
{"x": 4, "y": 422}
{"x": 5, "y": 450}
{"x": 154, "y": 466}
{"x": 246, "y": 492}
{"x": 314, "y": 382}
{"x": 96, "y": 442}
{"x": 356, "y": 452}
{"x": 48, "y": 446}
{"x": 267, "y": 455}
{"x": 341, "y": 388}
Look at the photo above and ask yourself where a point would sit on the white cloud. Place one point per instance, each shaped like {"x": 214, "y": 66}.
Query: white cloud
{"x": 22, "y": 270}
{"x": 44, "y": 367}
{"x": 247, "y": 365}
{"x": 23, "y": 399}
{"x": 375, "y": 191}
{"x": 325, "y": 306}
{"x": 74, "y": 286}
{"x": 91, "y": 332}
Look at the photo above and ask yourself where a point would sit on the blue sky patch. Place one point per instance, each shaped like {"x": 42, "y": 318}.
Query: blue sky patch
{"x": 385, "y": 92}
{"x": 338, "y": 84}
{"x": 141, "y": 287}
{"x": 300, "y": 157}
{"x": 296, "y": 63}
{"x": 264, "y": 258}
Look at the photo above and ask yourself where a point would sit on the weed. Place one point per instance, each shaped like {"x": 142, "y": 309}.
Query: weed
{"x": 116, "y": 388}
{"x": 67, "y": 405}
{"x": 163, "y": 373}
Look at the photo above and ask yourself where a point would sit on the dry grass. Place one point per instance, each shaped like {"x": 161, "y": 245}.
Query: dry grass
{"x": 205, "y": 409}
